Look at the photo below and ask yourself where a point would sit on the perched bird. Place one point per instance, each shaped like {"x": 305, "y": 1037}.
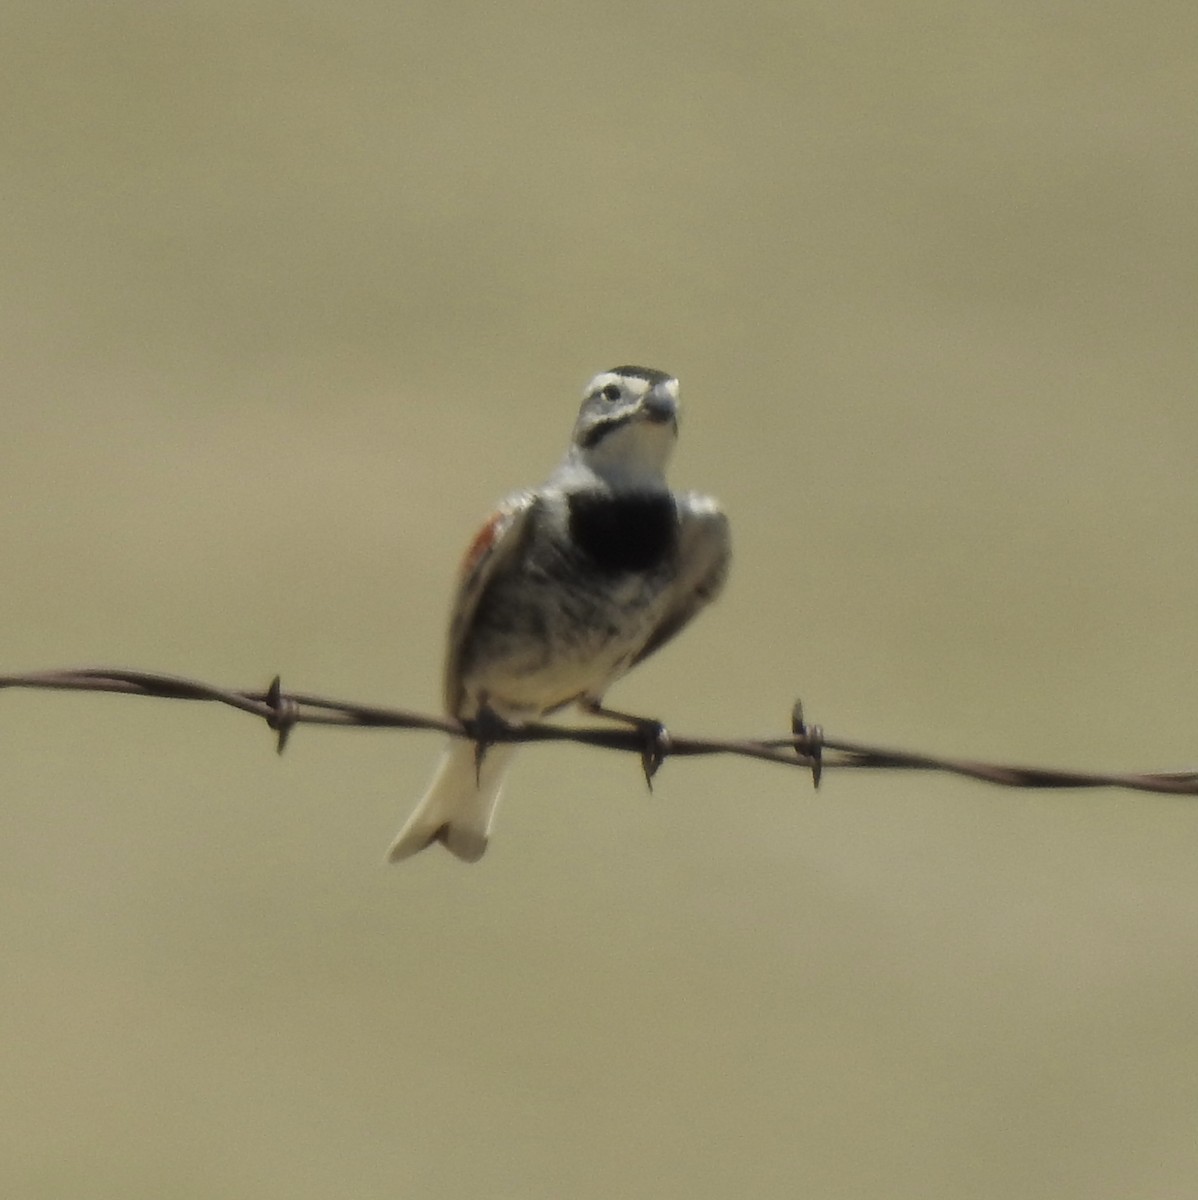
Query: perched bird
{"x": 565, "y": 588}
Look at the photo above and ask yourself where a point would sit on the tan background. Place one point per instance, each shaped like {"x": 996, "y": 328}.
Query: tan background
{"x": 290, "y": 293}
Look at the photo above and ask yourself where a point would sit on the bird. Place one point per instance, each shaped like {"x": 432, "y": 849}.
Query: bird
{"x": 565, "y": 588}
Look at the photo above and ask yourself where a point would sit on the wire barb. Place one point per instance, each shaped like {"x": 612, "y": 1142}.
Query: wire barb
{"x": 807, "y": 746}
{"x": 809, "y": 743}
{"x": 284, "y": 713}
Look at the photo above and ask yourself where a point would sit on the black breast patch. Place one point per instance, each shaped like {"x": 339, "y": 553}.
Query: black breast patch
{"x": 624, "y": 533}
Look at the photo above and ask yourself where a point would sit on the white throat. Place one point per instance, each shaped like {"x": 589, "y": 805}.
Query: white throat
{"x": 631, "y": 458}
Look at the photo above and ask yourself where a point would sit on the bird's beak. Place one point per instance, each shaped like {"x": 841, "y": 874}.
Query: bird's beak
{"x": 660, "y": 404}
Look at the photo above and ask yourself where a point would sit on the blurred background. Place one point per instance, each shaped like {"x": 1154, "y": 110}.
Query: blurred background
{"x": 291, "y": 293}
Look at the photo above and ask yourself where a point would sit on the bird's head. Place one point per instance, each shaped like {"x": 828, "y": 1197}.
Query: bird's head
{"x": 627, "y": 425}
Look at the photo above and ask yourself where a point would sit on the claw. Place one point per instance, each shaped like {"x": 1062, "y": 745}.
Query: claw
{"x": 655, "y": 736}
{"x": 487, "y": 728}
{"x": 655, "y": 749}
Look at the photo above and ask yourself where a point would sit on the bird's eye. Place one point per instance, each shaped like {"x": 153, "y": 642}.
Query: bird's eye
{"x": 611, "y": 392}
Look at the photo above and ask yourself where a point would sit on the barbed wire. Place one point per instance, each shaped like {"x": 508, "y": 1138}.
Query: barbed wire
{"x": 807, "y": 746}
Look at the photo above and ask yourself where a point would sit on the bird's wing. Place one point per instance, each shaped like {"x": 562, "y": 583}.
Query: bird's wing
{"x": 496, "y": 542}
{"x": 704, "y": 551}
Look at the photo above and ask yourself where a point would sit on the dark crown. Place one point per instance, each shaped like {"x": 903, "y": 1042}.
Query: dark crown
{"x": 648, "y": 374}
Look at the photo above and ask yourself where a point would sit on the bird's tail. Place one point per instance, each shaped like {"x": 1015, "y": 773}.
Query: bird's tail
{"x": 459, "y": 805}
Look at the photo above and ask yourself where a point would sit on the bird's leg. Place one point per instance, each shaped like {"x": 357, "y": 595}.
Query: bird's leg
{"x": 656, "y": 737}
{"x": 486, "y": 727}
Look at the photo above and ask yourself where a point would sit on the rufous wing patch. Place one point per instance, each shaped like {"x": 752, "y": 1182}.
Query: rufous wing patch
{"x": 484, "y": 542}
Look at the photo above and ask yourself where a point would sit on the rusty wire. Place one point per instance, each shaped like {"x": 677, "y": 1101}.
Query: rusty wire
{"x": 807, "y": 746}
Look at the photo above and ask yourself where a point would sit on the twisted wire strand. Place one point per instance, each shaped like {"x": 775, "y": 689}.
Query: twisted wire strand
{"x": 807, "y": 746}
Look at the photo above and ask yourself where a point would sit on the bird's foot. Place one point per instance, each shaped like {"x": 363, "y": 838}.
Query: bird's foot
{"x": 486, "y": 727}
{"x": 655, "y": 737}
